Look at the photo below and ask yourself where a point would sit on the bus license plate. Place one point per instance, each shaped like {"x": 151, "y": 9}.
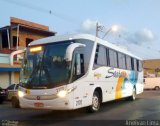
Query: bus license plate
{"x": 39, "y": 105}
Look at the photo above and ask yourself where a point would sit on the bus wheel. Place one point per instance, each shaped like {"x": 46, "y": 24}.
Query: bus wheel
{"x": 15, "y": 102}
{"x": 95, "y": 103}
{"x": 133, "y": 97}
{"x": 1, "y": 101}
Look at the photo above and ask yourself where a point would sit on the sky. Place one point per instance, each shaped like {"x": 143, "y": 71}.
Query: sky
{"x": 138, "y": 20}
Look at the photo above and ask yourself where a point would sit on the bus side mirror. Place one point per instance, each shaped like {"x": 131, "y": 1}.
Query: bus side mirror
{"x": 70, "y": 49}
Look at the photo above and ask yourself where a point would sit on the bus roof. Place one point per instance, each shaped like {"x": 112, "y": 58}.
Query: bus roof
{"x": 60, "y": 38}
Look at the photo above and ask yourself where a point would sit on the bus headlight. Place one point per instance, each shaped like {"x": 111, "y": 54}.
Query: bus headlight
{"x": 62, "y": 93}
{"x": 21, "y": 94}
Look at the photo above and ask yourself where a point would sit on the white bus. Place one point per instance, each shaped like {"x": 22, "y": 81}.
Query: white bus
{"x": 74, "y": 71}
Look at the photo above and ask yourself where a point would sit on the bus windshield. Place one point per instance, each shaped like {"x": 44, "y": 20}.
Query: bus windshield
{"x": 46, "y": 68}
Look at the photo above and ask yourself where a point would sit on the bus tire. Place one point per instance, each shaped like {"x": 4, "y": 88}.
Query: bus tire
{"x": 1, "y": 101}
{"x": 96, "y": 101}
{"x": 133, "y": 96}
{"x": 15, "y": 102}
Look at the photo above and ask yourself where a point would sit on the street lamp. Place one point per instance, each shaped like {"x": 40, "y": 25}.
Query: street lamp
{"x": 114, "y": 28}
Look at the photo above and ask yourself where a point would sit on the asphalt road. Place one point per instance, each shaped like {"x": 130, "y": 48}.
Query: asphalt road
{"x": 145, "y": 107}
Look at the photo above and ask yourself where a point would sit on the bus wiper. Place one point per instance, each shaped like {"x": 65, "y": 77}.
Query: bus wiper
{"x": 34, "y": 72}
{"x": 39, "y": 87}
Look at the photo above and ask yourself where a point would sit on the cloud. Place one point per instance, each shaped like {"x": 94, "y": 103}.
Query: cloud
{"x": 140, "y": 43}
{"x": 145, "y": 35}
{"x": 140, "y": 37}
{"x": 136, "y": 37}
{"x": 89, "y": 25}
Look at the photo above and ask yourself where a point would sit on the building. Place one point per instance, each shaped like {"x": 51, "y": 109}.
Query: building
{"x": 151, "y": 68}
{"x": 14, "y": 37}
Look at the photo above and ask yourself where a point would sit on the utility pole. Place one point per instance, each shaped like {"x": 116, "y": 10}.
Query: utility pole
{"x": 114, "y": 28}
{"x": 97, "y": 29}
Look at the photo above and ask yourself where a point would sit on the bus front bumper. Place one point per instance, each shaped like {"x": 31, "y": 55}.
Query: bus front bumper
{"x": 55, "y": 104}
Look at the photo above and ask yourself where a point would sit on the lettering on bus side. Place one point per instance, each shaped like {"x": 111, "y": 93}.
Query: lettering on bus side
{"x": 79, "y": 102}
{"x": 116, "y": 74}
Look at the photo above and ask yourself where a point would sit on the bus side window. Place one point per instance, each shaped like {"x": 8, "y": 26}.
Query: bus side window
{"x": 137, "y": 62}
{"x": 132, "y": 64}
{"x": 121, "y": 61}
{"x": 135, "y": 65}
{"x": 113, "y": 61}
{"x": 128, "y": 62}
{"x": 100, "y": 57}
{"x": 96, "y": 54}
{"x": 107, "y": 56}
{"x": 79, "y": 66}
{"x": 140, "y": 65}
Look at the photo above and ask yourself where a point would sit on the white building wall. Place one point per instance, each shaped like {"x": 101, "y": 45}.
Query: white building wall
{"x": 4, "y": 79}
{"x": 16, "y": 77}
{"x": 12, "y": 78}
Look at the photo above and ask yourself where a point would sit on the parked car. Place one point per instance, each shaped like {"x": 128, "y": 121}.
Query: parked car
{"x": 3, "y": 94}
{"x": 12, "y": 95}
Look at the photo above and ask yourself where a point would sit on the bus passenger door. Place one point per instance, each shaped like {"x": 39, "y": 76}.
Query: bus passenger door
{"x": 78, "y": 72}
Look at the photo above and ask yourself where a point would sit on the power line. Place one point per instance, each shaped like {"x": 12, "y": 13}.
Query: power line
{"x": 42, "y": 10}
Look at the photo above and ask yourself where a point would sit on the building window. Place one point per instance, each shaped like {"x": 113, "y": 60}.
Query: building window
{"x": 15, "y": 41}
{"x": 4, "y": 39}
{"x": 28, "y": 40}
